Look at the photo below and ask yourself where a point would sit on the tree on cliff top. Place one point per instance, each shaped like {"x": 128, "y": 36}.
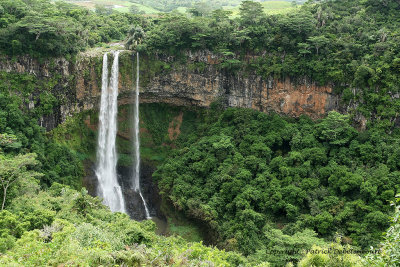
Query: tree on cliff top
{"x": 251, "y": 13}
{"x": 135, "y": 37}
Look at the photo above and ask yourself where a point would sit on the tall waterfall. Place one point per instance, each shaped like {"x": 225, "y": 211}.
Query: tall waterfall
{"x": 106, "y": 169}
{"x": 136, "y": 170}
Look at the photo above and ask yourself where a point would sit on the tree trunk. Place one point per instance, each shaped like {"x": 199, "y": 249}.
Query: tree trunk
{"x": 4, "y": 197}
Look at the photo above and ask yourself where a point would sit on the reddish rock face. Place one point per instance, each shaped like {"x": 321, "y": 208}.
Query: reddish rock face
{"x": 295, "y": 100}
{"x": 183, "y": 87}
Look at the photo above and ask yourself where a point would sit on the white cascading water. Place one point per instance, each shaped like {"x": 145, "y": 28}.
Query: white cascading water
{"x": 136, "y": 170}
{"x": 106, "y": 169}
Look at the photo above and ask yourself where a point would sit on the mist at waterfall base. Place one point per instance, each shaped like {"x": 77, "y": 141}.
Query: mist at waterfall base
{"x": 123, "y": 189}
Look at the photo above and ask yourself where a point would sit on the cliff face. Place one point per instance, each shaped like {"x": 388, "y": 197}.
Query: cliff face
{"x": 185, "y": 87}
{"x": 199, "y": 81}
{"x": 55, "y": 75}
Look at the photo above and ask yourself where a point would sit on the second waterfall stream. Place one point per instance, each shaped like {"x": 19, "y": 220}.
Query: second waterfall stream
{"x": 136, "y": 148}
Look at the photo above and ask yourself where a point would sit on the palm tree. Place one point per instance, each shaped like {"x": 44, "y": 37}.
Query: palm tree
{"x": 135, "y": 37}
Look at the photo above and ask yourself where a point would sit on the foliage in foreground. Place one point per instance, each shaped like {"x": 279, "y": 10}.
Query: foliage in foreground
{"x": 390, "y": 247}
{"x": 63, "y": 226}
{"x": 20, "y": 133}
{"x": 387, "y": 254}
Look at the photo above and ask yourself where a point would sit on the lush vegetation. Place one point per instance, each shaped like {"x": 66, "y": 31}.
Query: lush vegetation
{"x": 19, "y": 126}
{"x": 386, "y": 255}
{"x": 249, "y": 173}
{"x": 227, "y": 149}
{"x": 64, "y": 227}
{"x": 390, "y": 247}
{"x": 45, "y": 28}
{"x": 46, "y": 223}
{"x": 262, "y": 184}
{"x": 42, "y": 28}
{"x": 351, "y": 45}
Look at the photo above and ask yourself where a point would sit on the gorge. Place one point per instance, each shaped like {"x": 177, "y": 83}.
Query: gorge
{"x": 80, "y": 87}
{"x": 248, "y": 135}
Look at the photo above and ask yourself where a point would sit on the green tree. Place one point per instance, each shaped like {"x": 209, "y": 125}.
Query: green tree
{"x": 103, "y": 10}
{"x": 14, "y": 168}
{"x": 389, "y": 249}
{"x": 251, "y": 13}
{"x": 134, "y": 9}
{"x": 135, "y": 37}
{"x": 11, "y": 228}
{"x": 8, "y": 141}
{"x": 318, "y": 42}
{"x": 336, "y": 129}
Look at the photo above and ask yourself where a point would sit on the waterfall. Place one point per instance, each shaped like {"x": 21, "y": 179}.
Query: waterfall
{"x": 136, "y": 170}
{"x": 106, "y": 169}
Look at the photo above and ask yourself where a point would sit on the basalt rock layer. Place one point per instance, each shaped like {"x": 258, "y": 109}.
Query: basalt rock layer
{"x": 199, "y": 80}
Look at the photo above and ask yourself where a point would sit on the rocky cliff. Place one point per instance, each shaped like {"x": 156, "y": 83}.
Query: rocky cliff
{"x": 198, "y": 81}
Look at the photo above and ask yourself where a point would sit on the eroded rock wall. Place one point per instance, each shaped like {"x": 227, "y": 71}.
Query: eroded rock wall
{"x": 181, "y": 84}
{"x": 286, "y": 97}
{"x": 164, "y": 79}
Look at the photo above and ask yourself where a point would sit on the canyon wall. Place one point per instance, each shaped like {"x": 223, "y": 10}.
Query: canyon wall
{"x": 198, "y": 81}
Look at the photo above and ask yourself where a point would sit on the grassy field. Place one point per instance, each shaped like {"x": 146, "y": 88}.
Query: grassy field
{"x": 145, "y": 9}
{"x": 182, "y": 9}
{"x": 120, "y": 5}
{"x": 270, "y": 7}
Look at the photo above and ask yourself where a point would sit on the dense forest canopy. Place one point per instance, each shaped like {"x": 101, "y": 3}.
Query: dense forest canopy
{"x": 258, "y": 182}
{"x": 249, "y": 172}
{"x": 352, "y": 45}
{"x": 46, "y": 29}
